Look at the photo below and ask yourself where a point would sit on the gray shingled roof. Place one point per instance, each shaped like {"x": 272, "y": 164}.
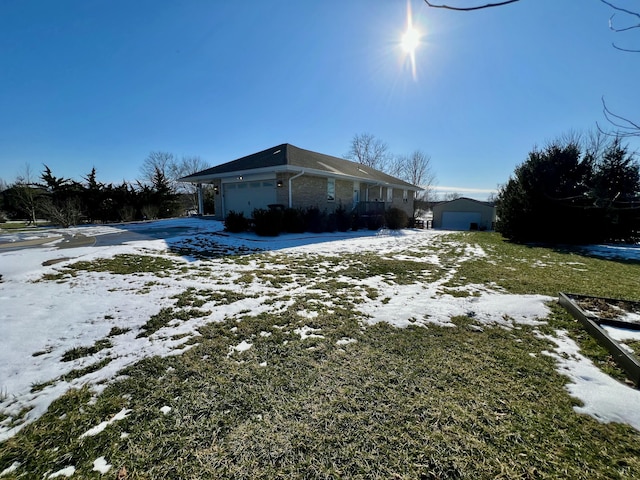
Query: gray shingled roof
{"x": 286, "y": 155}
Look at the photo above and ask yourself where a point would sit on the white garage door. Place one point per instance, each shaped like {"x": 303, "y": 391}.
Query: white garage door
{"x": 460, "y": 220}
{"x": 246, "y": 196}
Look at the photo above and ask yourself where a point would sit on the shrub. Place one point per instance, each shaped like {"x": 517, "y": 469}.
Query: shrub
{"x": 315, "y": 220}
{"x": 331, "y": 223}
{"x": 267, "y": 223}
{"x": 235, "y": 222}
{"x": 396, "y": 218}
{"x": 375, "y": 221}
{"x": 356, "y": 221}
{"x": 343, "y": 219}
{"x": 293, "y": 220}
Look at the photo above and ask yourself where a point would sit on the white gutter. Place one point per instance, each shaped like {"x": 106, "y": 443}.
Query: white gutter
{"x": 290, "y": 192}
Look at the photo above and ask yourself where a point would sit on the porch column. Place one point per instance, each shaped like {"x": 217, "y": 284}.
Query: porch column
{"x": 200, "y": 199}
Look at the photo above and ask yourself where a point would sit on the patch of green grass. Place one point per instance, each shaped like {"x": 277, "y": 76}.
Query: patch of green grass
{"x": 36, "y": 387}
{"x": 80, "y": 352}
{"x": 23, "y": 226}
{"x": 246, "y": 278}
{"x": 81, "y": 372}
{"x": 166, "y": 315}
{"x": 421, "y": 402}
{"x": 412, "y": 403}
{"x": 72, "y": 375}
{"x": 524, "y": 269}
{"x": 633, "y": 345}
{"x": 368, "y": 265}
{"x": 115, "y": 331}
{"x": 193, "y": 297}
{"x": 188, "y": 305}
{"x": 125, "y": 264}
{"x": 457, "y": 293}
{"x": 53, "y": 277}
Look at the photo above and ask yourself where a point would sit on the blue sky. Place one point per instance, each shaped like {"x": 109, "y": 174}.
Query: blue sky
{"x": 102, "y": 83}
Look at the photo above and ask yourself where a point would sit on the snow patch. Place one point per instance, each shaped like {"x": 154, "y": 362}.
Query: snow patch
{"x": 65, "y": 472}
{"x": 100, "y": 465}
{"x": 243, "y": 346}
{"x": 10, "y": 469}
{"x": 121, "y": 415}
{"x": 307, "y": 332}
{"x": 603, "y": 397}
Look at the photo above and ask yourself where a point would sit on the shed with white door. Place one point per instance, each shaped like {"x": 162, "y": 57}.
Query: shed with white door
{"x": 464, "y": 214}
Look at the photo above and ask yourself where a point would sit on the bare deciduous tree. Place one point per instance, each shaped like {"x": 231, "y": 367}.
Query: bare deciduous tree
{"x": 418, "y": 170}
{"x": 189, "y": 165}
{"x": 65, "y": 214}
{"x": 369, "y": 150}
{"x": 452, "y": 196}
{"x": 27, "y": 193}
{"x": 157, "y": 163}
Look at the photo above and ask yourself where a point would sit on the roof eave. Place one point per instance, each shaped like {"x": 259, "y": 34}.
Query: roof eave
{"x": 296, "y": 169}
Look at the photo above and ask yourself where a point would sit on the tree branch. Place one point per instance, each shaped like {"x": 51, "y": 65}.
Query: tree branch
{"x": 626, "y": 127}
{"x": 620, "y": 9}
{"x": 621, "y": 29}
{"x": 631, "y": 50}
{"x": 624, "y": 29}
{"x": 469, "y": 9}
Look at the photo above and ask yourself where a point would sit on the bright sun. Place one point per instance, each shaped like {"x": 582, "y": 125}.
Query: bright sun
{"x": 410, "y": 40}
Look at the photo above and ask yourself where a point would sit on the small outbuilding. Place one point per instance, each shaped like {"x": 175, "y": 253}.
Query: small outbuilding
{"x": 464, "y": 214}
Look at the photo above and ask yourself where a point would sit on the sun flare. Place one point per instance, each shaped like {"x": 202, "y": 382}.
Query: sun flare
{"x": 410, "y": 40}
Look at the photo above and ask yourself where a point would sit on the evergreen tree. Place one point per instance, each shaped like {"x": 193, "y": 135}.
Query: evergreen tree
{"x": 561, "y": 195}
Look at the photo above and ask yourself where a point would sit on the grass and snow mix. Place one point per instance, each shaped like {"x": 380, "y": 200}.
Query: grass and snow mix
{"x": 242, "y": 357}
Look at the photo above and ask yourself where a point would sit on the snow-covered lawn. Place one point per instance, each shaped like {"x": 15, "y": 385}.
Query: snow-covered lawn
{"x": 47, "y": 311}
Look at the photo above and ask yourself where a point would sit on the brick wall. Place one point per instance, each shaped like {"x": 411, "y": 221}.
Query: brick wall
{"x": 311, "y": 191}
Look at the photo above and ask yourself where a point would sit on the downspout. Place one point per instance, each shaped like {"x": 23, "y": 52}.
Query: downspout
{"x": 290, "y": 187}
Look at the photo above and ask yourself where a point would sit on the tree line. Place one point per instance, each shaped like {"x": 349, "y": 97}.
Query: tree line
{"x": 67, "y": 202}
{"x": 574, "y": 190}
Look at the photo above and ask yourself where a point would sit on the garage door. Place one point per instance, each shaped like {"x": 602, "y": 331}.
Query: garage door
{"x": 246, "y": 196}
{"x": 460, "y": 220}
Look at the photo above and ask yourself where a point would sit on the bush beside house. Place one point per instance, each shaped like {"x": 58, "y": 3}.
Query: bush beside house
{"x": 275, "y": 220}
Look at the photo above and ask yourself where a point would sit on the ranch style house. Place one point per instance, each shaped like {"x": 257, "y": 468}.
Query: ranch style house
{"x": 288, "y": 176}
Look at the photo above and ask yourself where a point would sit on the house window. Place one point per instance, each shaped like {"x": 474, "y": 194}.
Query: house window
{"x": 389, "y": 194}
{"x": 331, "y": 189}
{"x": 405, "y": 196}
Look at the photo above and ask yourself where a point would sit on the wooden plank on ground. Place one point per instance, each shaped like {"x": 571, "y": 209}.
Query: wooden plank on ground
{"x": 627, "y": 361}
